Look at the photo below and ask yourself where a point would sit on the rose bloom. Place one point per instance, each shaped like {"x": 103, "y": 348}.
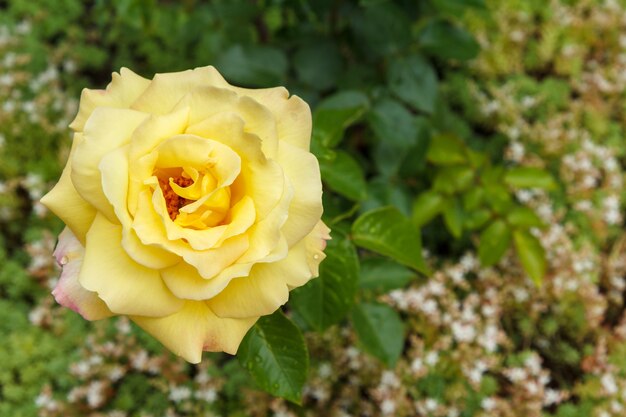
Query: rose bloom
{"x": 192, "y": 207}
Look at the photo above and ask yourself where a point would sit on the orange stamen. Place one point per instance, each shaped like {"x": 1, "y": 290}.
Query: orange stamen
{"x": 173, "y": 201}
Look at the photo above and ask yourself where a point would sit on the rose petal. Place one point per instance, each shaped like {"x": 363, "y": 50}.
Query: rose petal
{"x": 114, "y": 171}
{"x": 306, "y": 209}
{"x": 166, "y": 90}
{"x": 125, "y": 286}
{"x": 292, "y": 114}
{"x": 186, "y": 283}
{"x": 194, "y": 151}
{"x": 205, "y": 102}
{"x": 124, "y": 89}
{"x": 68, "y": 291}
{"x": 267, "y": 287}
{"x": 194, "y": 329}
{"x": 64, "y": 201}
{"x": 106, "y": 130}
{"x": 262, "y": 178}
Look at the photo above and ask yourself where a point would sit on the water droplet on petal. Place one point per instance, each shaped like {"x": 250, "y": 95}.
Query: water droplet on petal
{"x": 64, "y": 260}
{"x": 316, "y": 256}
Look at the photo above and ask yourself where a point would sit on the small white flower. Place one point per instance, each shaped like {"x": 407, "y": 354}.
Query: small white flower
{"x": 524, "y": 196}
{"x": 611, "y": 164}
{"x": 95, "y": 397}
{"x": 528, "y": 101}
{"x": 463, "y": 332}
{"x": 453, "y": 412}
{"x": 533, "y": 364}
{"x": 468, "y": 262}
{"x": 608, "y": 383}
{"x": 417, "y": 365}
{"x": 612, "y": 217}
{"x": 430, "y": 307}
{"x": 388, "y": 378}
{"x": 583, "y": 205}
{"x": 488, "y": 404}
{"x": 388, "y": 406}
{"x": 551, "y": 396}
{"x": 589, "y": 181}
{"x": 431, "y": 404}
{"x": 516, "y": 374}
{"x": 325, "y": 370}
{"x": 208, "y": 395}
{"x": 178, "y": 394}
{"x": 436, "y": 288}
{"x": 432, "y": 358}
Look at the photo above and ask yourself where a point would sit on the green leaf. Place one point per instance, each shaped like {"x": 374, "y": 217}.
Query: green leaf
{"x": 499, "y": 198}
{"x": 473, "y": 198}
{"x": 448, "y": 41}
{"x": 414, "y": 81}
{"x": 393, "y": 124}
{"x": 531, "y": 255}
{"x": 276, "y": 356}
{"x": 344, "y": 175}
{"x": 318, "y": 64}
{"x": 457, "y": 7}
{"x": 446, "y": 149}
{"x": 453, "y": 217}
{"x": 452, "y": 179}
{"x": 381, "y": 29}
{"x": 414, "y": 162}
{"x": 333, "y": 115}
{"x": 326, "y": 300}
{"x": 387, "y": 231}
{"x": 380, "y": 331}
{"x": 382, "y": 192}
{"x": 258, "y": 66}
{"x": 383, "y": 275}
{"x": 523, "y": 217}
{"x": 426, "y": 207}
{"x": 476, "y": 219}
{"x": 494, "y": 241}
{"x": 526, "y": 177}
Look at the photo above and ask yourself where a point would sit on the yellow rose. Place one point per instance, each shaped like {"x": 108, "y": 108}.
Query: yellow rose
{"x": 192, "y": 207}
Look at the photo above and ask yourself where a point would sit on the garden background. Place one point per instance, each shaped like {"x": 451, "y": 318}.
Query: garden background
{"x": 472, "y": 153}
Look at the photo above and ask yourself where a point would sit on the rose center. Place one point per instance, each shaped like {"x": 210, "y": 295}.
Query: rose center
{"x": 173, "y": 201}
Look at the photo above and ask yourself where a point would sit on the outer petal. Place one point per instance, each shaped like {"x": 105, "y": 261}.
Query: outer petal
{"x": 210, "y": 262}
{"x": 195, "y": 328}
{"x": 64, "y": 201}
{"x": 293, "y": 118}
{"x": 166, "y": 90}
{"x": 120, "y": 93}
{"x": 68, "y": 291}
{"x": 265, "y": 235}
{"x": 125, "y": 286}
{"x": 303, "y": 171}
{"x": 268, "y": 285}
{"x": 106, "y": 130}
{"x": 186, "y": 283}
{"x": 205, "y": 102}
{"x": 292, "y": 114}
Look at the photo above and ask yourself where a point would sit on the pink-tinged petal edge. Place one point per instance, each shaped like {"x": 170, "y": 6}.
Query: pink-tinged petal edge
{"x": 68, "y": 291}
